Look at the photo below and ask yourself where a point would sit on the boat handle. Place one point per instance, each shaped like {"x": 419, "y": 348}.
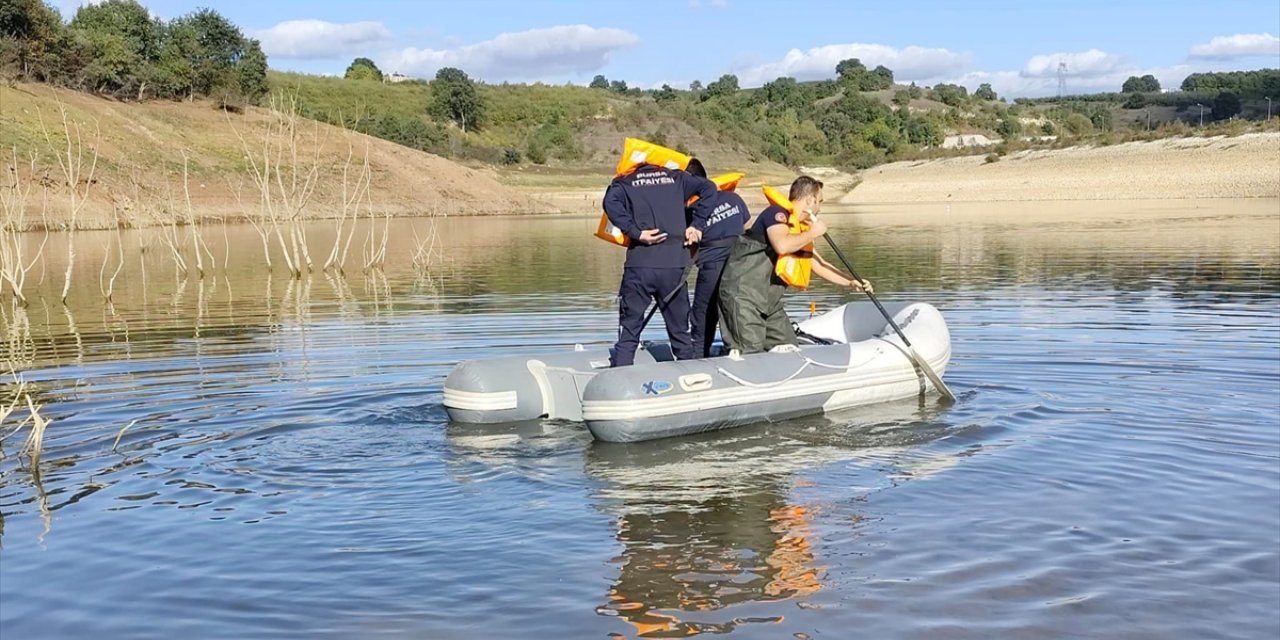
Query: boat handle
{"x": 695, "y": 382}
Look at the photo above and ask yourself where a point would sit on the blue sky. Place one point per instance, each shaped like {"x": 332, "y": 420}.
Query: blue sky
{"x": 1016, "y": 46}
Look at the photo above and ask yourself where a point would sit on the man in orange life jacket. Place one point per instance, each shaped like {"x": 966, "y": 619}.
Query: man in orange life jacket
{"x": 648, "y": 205}
{"x": 751, "y": 309}
{"x": 729, "y": 216}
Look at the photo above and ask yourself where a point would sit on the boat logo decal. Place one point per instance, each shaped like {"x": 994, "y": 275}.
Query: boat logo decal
{"x": 910, "y": 317}
{"x": 656, "y": 387}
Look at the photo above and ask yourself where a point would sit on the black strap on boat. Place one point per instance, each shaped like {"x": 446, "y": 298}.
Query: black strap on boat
{"x": 810, "y": 337}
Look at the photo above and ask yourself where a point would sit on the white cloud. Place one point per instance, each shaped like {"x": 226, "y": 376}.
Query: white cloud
{"x": 909, "y": 63}
{"x": 1241, "y": 45}
{"x": 534, "y": 54}
{"x": 1086, "y": 64}
{"x": 321, "y": 40}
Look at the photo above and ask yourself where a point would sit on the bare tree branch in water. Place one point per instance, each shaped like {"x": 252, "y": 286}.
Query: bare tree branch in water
{"x": 20, "y": 346}
{"x": 107, "y": 285}
{"x": 14, "y": 197}
{"x": 286, "y": 178}
{"x": 427, "y": 250}
{"x": 260, "y": 223}
{"x": 72, "y": 162}
{"x": 168, "y": 223}
{"x": 352, "y": 196}
{"x": 375, "y": 251}
{"x": 198, "y": 245}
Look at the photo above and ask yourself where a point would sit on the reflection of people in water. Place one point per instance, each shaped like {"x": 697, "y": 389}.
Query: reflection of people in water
{"x": 708, "y": 535}
{"x": 684, "y": 554}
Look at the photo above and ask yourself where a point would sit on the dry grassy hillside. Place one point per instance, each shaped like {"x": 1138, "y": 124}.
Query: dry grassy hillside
{"x": 140, "y": 151}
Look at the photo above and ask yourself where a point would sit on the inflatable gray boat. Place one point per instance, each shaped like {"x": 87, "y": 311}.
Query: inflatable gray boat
{"x": 849, "y": 357}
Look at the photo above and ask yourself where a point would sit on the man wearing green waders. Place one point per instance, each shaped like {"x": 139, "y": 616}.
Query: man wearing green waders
{"x": 751, "y": 312}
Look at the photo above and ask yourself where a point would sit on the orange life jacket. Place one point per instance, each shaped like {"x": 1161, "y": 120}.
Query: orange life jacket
{"x": 636, "y": 152}
{"x": 792, "y": 268}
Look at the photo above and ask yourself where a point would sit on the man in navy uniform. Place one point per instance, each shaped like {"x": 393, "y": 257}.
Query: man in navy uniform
{"x": 729, "y": 216}
{"x": 648, "y": 205}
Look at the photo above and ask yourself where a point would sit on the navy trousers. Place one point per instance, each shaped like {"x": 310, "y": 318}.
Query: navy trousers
{"x": 705, "y": 312}
{"x": 640, "y": 287}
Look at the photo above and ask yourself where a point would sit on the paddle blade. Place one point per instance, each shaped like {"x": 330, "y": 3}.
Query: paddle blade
{"x": 932, "y": 375}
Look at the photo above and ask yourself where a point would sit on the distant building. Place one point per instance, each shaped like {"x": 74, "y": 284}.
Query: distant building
{"x": 395, "y": 77}
{"x": 967, "y": 140}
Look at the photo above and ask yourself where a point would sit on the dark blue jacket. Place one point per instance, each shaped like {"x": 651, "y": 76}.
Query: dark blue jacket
{"x": 653, "y": 197}
{"x": 728, "y": 217}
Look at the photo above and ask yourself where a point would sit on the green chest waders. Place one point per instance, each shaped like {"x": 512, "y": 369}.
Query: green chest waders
{"x": 751, "y": 313}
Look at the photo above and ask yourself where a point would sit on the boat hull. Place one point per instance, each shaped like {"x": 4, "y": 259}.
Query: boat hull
{"x": 660, "y": 397}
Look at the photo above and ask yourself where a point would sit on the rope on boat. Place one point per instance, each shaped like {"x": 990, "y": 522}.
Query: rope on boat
{"x": 763, "y": 385}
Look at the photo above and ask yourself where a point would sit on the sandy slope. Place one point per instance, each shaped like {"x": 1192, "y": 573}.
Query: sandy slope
{"x": 1246, "y": 166}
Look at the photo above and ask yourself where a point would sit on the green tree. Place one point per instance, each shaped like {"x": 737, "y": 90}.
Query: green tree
{"x": 902, "y": 97}
{"x": 727, "y": 85}
{"x": 127, "y": 19}
{"x": 218, "y": 46}
{"x": 861, "y": 109}
{"x": 1252, "y": 85}
{"x": 1009, "y": 128}
{"x": 785, "y": 93}
{"x": 32, "y": 32}
{"x": 409, "y": 131}
{"x": 951, "y": 95}
{"x": 599, "y": 82}
{"x": 363, "y": 69}
{"x": 850, "y": 69}
{"x": 173, "y": 74}
{"x": 859, "y": 153}
{"x": 923, "y": 132}
{"x": 884, "y": 76}
{"x": 855, "y": 74}
{"x": 618, "y": 86}
{"x": 1135, "y": 101}
{"x": 883, "y": 136}
{"x": 454, "y": 97}
{"x": 111, "y": 63}
{"x": 1226, "y": 105}
{"x": 665, "y": 94}
{"x": 252, "y": 72}
{"x": 120, "y": 41}
{"x": 1144, "y": 84}
{"x": 695, "y": 86}
{"x": 914, "y": 91}
{"x": 985, "y": 92}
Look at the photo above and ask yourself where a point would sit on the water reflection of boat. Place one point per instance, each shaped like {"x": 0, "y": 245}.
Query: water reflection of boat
{"x": 711, "y": 534}
{"x": 702, "y": 530}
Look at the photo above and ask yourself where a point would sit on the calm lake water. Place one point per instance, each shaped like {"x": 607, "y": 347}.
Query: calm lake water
{"x": 1112, "y": 468}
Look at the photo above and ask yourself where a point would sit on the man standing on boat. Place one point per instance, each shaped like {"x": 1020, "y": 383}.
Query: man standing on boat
{"x": 751, "y": 288}
{"x": 648, "y": 205}
{"x": 729, "y": 216}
